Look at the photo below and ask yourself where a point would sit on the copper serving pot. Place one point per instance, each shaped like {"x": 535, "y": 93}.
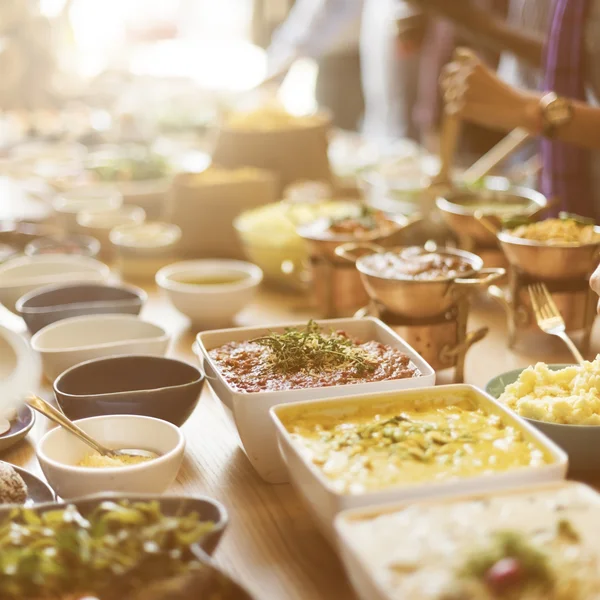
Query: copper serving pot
{"x": 459, "y": 208}
{"x": 415, "y": 298}
{"x": 323, "y": 243}
{"x": 550, "y": 262}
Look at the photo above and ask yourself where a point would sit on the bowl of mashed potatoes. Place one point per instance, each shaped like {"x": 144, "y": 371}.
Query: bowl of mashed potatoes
{"x": 563, "y": 401}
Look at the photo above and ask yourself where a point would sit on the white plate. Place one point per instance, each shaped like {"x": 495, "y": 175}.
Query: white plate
{"x": 250, "y": 411}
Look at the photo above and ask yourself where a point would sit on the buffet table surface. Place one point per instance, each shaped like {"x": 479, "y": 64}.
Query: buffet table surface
{"x": 272, "y": 545}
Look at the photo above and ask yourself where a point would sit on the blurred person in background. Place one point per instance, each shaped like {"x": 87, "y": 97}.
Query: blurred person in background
{"x": 328, "y": 32}
{"x": 563, "y": 113}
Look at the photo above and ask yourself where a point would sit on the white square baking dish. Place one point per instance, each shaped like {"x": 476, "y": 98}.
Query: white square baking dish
{"x": 368, "y": 567}
{"x": 325, "y": 501}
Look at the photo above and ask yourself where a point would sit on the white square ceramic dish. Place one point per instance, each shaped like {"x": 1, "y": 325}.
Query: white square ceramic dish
{"x": 364, "y": 577}
{"x": 250, "y": 411}
{"x": 325, "y": 502}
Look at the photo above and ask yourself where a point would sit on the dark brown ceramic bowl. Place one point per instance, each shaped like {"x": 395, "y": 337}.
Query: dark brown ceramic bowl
{"x": 206, "y": 508}
{"x": 152, "y": 386}
{"x": 46, "y": 305}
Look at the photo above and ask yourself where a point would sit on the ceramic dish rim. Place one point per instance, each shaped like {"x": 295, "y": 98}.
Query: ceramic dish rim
{"x": 133, "y": 496}
{"x": 253, "y": 276}
{"x": 164, "y": 336}
{"x": 30, "y": 422}
{"x": 202, "y": 352}
{"x": 201, "y": 377}
{"x": 536, "y": 421}
{"x": 87, "y": 243}
{"x": 505, "y": 237}
{"x": 559, "y": 456}
{"x": 137, "y": 294}
{"x": 96, "y": 267}
{"x": 135, "y": 468}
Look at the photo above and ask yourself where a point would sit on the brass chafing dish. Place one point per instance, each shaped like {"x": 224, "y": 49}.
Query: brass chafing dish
{"x": 431, "y": 314}
{"x": 418, "y": 298}
{"x": 337, "y": 285}
{"x": 499, "y": 198}
{"x": 550, "y": 261}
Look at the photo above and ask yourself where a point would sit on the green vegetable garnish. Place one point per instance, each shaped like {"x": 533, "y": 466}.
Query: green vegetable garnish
{"x": 115, "y": 550}
{"x": 510, "y": 544}
{"x": 142, "y": 165}
{"x": 310, "y": 349}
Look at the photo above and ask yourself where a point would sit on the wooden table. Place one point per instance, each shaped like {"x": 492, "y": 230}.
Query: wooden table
{"x": 272, "y": 545}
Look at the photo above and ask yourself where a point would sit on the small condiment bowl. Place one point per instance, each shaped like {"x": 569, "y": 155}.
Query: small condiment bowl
{"x": 213, "y": 305}
{"x": 153, "y": 386}
{"x": 59, "y": 452}
{"x": 19, "y": 276}
{"x": 145, "y": 248}
{"x": 98, "y": 197}
{"x": 46, "y": 305}
{"x": 69, "y": 342}
{"x": 82, "y": 245}
{"x": 99, "y": 223}
{"x": 580, "y": 442}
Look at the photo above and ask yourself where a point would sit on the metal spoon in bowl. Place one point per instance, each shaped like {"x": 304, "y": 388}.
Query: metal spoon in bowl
{"x": 59, "y": 418}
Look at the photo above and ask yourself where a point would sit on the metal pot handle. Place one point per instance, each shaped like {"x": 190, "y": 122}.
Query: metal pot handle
{"x": 489, "y": 275}
{"x": 347, "y": 251}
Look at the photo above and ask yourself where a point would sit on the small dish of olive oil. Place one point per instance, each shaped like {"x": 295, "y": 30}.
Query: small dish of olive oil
{"x": 212, "y": 279}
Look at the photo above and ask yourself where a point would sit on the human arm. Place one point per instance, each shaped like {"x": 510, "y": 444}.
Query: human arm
{"x": 474, "y": 93}
{"x": 485, "y": 29}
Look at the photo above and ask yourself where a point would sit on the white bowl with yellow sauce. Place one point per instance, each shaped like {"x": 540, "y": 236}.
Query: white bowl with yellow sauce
{"x": 538, "y": 543}
{"x": 62, "y": 456}
{"x": 409, "y": 445}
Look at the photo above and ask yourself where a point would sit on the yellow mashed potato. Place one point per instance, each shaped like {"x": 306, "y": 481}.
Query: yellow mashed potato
{"x": 570, "y": 396}
{"x": 102, "y": 462}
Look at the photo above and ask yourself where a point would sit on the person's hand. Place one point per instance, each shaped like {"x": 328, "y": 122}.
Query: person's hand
{"x": 474, "y": 93}
{"x": 595, "y": 284}
{"x": 459, "y": 11}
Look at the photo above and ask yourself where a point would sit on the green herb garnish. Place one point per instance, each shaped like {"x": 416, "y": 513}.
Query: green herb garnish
{"x": 534, "y": 563}
{"x": 565, "y": 529}
{"x": 367, "y": 219}
{"x": 116, "y": 549}
{"x": 309, "y": 349}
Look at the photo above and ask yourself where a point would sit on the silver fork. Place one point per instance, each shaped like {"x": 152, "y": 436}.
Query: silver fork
{"x": 548, "y": 317}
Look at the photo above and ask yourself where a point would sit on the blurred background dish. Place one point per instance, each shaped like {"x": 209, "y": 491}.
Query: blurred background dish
{"x": 99, "y": 223}
{"x": 143, "y": 249}
{"x": 49, "y": 304}
{"x": 96, "y": 198}
{"x": 83, "y": 245}
{"x": 152, "y": 386}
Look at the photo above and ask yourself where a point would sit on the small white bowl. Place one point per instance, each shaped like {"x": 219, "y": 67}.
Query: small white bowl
{"x": 99, "y": 197}
{"x": 59, "y": 452}
{"x": 18, "y": 276}
{"x": 98, "y": 223}
{"x": 144, "y": 249}
{"x": 69, "y": 342}
{"x": 209, "y": 305}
